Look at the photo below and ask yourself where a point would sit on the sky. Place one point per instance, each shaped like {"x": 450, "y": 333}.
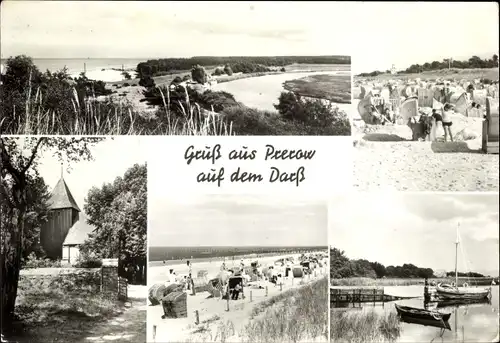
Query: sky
{"x": 106, "y": 166}
{"x": 377, "y": 35}
{"x": 394, "y": 229}
{"x": 236, "y": 220}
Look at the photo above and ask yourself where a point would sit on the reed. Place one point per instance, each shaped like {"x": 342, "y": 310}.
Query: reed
{"x": 297, "y": 315}
{"x": 97, "y": 117}
{"x": 363, "y": 326}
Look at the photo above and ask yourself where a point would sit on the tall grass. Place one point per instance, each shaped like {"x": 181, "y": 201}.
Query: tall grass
{"x": 98, "y": 117}
{"x": 296, "y": 315}
{"x": 361, "y": 326}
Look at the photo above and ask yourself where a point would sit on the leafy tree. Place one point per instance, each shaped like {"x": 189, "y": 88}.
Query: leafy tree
{"x": 37, "y": 196}
{"x": 198, "y": 74}
{"x": 19, "y": 160}
{"x": 119, "y": 213}
{"x": 228, "y": 70}
{"x": 283, "y": 69}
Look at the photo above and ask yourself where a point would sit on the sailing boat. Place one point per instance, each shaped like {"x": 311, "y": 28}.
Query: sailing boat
{"x": 447, "y": 292}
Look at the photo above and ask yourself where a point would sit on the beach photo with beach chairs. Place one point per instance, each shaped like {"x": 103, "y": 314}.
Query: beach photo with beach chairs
{"x": 425, "y": 115}
{"x": 227, "y": 268}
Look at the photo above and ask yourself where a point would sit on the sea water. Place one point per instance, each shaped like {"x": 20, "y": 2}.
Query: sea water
{"x": 96, "y": 68}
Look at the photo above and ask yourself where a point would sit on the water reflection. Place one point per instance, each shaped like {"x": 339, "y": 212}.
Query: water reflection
{"x": 469, "y": 321}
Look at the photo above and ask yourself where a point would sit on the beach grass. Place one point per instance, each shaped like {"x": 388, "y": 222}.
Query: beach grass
{"x": 363, "y": 326}
{"x": 96, "y": 117}
{"x": 294, "y": 316}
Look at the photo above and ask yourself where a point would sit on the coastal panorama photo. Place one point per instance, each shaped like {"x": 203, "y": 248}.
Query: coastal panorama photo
{"x": 73, "y": 253}
{"x": 171, "y": 68}
{"x": 237, "y": 268}
{"x": 426, "y": 116}
{"x": 414, "y": 268}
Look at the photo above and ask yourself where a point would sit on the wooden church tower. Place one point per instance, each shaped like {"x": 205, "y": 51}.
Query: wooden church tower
{"x": 63, "y": 214}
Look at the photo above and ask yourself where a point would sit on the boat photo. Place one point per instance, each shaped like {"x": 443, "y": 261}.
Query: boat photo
{"x": 454, "y": 291}
{"x": 418, "y": 313}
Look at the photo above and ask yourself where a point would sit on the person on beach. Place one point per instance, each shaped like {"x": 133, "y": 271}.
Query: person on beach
{"x": 190, "y": 267}
{"x": 171, "y": 276}
{"x": 236, "y": 291}
{"x": 447, "y": 122}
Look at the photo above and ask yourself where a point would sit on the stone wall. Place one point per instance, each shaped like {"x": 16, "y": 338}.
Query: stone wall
{"x": 69, "y": 280}
{"x": 64, "y": 279}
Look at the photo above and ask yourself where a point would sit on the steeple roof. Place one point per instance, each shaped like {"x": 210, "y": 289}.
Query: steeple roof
{"x": 61, "y": 197}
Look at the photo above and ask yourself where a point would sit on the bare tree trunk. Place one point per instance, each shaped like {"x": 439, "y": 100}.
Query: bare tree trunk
{"x": 11, "y": 265}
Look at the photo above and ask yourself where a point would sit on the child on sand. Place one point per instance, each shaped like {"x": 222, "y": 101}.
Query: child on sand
{"x": 447, "y": 122}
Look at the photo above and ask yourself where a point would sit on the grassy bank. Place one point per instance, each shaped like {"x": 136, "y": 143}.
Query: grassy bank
{"x": 336, "y": 88}
{"x": 363, "y": 326}
{"x": 364, "y": 281}
{"x": 453, "y": 73}
{"x": 45, "y": 314}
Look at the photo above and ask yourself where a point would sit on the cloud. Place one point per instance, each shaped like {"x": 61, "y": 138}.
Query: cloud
{"x": 397, "y": 228}
{"x": 238, "y": 220}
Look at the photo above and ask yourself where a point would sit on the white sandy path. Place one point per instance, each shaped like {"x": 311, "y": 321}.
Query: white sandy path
{"x": 180, "y": 329}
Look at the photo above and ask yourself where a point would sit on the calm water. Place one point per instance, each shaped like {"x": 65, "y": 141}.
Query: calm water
{"x": 263, "y": 91}
{"x": 469, "y": 323}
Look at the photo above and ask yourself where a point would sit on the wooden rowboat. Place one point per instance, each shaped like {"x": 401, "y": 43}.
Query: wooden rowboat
{"x": 406, "y": 311}
{"x": 426, "y": 322}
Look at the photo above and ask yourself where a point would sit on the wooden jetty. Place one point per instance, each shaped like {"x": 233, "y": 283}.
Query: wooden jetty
{"x": 361, "y": 295}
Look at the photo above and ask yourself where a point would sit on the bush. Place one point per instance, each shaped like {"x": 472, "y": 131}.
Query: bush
{"x": 147, "y": 81}
{"x": 176, "y": 81}
{"x": 126, "y": 75}
{"x": 134, "y": 85}
{"x": 36, "y": 262}
{"x": 320, "y": 117}
{"x": 126, "y": 84}
{"x": 218, "y": 71}
{"x": 88, "y": 260}
{"x": 283, "y": 69}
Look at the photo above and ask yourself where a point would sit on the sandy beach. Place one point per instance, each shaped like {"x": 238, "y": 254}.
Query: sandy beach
{"x": 386, "y": 158}
{"x": 214, "y": 318}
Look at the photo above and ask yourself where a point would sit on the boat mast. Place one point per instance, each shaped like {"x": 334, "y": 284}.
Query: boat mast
{"x": 456, "y": 253}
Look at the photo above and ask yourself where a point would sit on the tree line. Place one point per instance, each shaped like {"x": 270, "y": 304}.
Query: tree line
{"x": 343, "y": 267}
{"x": 244, "y": 64}
{"x": 474, "y": 62}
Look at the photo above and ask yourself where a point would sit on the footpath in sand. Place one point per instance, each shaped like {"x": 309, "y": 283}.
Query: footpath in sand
{"x": 213, "y": 314}
{"x": 128, "y": 326}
